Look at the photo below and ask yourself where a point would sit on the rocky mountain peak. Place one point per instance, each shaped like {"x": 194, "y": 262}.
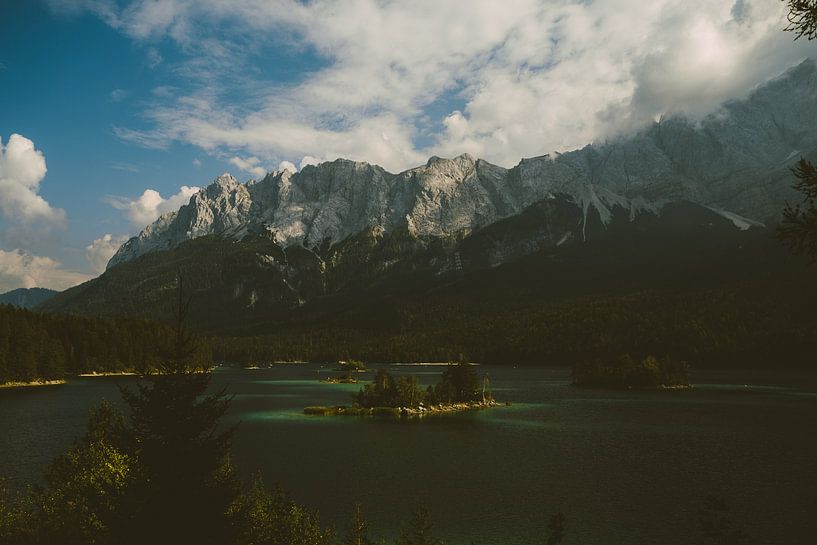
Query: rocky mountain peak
{"x": 735, "y": 161}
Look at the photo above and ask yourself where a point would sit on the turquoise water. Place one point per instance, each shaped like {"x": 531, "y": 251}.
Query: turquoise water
{"x": 624, "y": 467}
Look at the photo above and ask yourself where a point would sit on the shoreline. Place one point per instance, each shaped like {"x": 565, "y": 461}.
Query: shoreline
{"x": 336, "y": 380}
{"x": 432, "y": 364}
{"x": 109, "y": 374}
{"x": 658, "y": 388}
{"x": 408, "y": 412}
{"x": 19, "y": 384}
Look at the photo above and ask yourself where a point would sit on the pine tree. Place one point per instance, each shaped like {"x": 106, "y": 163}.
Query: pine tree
{"x": 186, "y": 482}
{"x": 358, "y": 528}
{"x": 798, "y": 230}
{"x": 419, "y": 531}
{"x": 556, "y": 526}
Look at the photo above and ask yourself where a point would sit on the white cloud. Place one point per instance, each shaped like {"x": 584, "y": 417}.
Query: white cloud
{"x": 101, "y": 250}
{"x": 118, "y": 95}
{"x": 196, "y": 163}
{"x": 251, "y": 165}
{"x": 287, "y": 165}
{"x": 308, "y": 160}
{"x": 403, "y": 80}
{"x": 22, "y": 168}
{"x": 150, "y": 205}
{"x": 154, "y": 58}
{"x": 20, "y": 269}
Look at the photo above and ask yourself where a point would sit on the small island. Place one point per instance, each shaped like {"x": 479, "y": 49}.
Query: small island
{"x": 459, "y": 389}
{"x": 348, "y": 368}
{"x": 624, "y": 372}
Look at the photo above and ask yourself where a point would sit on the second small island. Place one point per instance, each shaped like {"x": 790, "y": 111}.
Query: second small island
{"x": 459, "y": 388}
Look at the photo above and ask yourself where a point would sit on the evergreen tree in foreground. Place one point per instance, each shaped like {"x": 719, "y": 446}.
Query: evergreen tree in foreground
{"x": 184, "y": 483}
{"x": 357, "y": 534}
{"x": 798, "y": 230}
{"x": 419, "y": 531}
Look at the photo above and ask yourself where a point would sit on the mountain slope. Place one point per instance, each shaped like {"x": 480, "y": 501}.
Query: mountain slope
{"x": 256, "y": 280}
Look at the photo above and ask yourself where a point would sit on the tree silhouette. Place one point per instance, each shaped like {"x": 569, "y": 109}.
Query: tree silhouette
{"x": 716, "y": 526}
{"x": 802, "y": 18}
{"x": 557, "y": 529}
{"x": 357, "y": 534}
{"x": 419, "y": 530}
{"x": 798, "y": 230}
{"x": 185, "y": 483}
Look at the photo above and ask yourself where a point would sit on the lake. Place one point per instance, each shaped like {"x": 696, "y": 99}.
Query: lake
{"x": 624, "y": 467}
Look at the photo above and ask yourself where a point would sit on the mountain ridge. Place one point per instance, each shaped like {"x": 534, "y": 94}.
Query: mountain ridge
{"x": 27, "y": 297}
{"x": 735, "y": 162}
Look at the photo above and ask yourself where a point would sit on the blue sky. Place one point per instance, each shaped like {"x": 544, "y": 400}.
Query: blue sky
{"x": 133, "y": 104}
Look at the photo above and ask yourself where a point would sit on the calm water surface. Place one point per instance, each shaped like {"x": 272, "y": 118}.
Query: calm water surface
{"x": 624, "y": 467}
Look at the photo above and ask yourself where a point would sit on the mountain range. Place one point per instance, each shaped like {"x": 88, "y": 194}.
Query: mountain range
{"x": 680, "y": 202}
{"x": 26, "y": 297}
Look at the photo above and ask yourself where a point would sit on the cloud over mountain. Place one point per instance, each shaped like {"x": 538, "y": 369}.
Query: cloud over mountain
{"x": 150, "y": 205}
{"x": 20, "y": 269}
{"x": 100, "y": 251}
{"x": 399, "y": 81}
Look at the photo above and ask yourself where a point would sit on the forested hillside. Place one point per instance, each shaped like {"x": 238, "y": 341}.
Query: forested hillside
{"x": 37, "y": 346}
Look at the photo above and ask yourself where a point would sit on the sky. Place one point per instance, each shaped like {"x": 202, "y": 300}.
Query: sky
{"x": 113, "y": 112}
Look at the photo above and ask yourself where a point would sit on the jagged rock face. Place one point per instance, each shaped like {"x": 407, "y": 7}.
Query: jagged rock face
{"x": 735, "y": 162}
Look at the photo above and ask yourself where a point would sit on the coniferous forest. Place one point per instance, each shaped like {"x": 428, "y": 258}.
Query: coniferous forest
{"x": 36, "y": 346}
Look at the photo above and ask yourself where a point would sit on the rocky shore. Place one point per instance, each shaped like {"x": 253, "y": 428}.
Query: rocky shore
{"x": 422, "y": 410}
{"x": 17, "y": 384}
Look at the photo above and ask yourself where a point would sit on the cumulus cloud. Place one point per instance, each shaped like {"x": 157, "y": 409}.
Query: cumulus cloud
{"x": 308, "y": 160}
{"x": 287, "y": 165}
{"x": 251, "y": 165}
{"x": 20, "y": 269}
{"x": 150, "y": 205}
{"x": 22, "y": 168}
{"x": 403, "y": 80}
{"x": 101, "y": 250}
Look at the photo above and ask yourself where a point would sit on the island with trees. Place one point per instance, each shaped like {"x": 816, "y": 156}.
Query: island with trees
{"x": 458, "y": 389}
{"x": 348, "y": 370}
{"x": 625, "y": 372}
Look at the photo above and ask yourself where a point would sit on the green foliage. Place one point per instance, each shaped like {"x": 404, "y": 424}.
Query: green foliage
{"x": 36, "y": 346}
{"x": 83, "y": 500}
{"x": 736, "y": 324}
{"x": 716, "y": 526}
{"x": 19, "y": 523}
{"x": 185, "y": 482}
{"x": 625, "y": 372}
{"x": 271, "y": 518}
{"x": 385, "y": 391}
{"x": 556, "y": 526}
{"x": 459, "y": 383}
{"x": 357, "y": 532}
{"x": 798, "y": 230}
{"x": 352, "y": 365}
{"x": 419, "y": 531}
